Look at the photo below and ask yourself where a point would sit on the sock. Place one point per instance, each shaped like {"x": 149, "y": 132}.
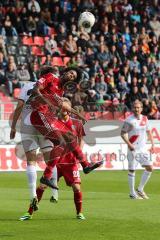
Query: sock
{"x": 144, "y": 179}
{"x": 84, "y": 164}
{"x": 78, "y": 201}
{"x": 30, "y": 210}
{"x": 54, "y": 176}
{"x": 131, "y": 181}
{"x": 39, "y": 193}
{"x": 55, "y": 156}
{"x": 32, "y": 179}
{"x": 77, "y": 151}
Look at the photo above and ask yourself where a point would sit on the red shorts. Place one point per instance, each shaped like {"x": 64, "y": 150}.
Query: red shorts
{"x": 48, "y": 125}
{"x": 70, "y": 173}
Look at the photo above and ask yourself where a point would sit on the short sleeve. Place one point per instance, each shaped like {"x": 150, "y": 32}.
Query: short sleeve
{"x": 23, "y": 94}
{"x": 127, "y": 127}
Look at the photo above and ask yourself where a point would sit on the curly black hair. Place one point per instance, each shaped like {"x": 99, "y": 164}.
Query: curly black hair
{"x": 78, "y": 70}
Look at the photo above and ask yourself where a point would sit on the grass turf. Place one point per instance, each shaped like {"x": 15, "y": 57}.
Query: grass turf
{"x": 110, "y": 214}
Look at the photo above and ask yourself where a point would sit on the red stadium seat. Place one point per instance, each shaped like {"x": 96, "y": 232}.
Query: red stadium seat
{"x": 39, "y": 41}
{"x": 46, "y": 38}
{"x": 8, "y": 110}
{"x": 27, "y": 40}
{"x": 43, "y": 59}
{"x": 66, "y": 60}
{"x": 37, "y": 51}
{"x": 16, "y": 92}
{"x": 62, "y": 53}
{"x": 57, "y": 61}
{"x": 51, "y": 31}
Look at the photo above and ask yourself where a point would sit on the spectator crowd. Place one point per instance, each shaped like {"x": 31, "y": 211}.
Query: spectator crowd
{"x": 120, "y": 58}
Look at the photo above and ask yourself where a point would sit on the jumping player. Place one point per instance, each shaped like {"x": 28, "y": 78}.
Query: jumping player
{"x": 67, "y": 167}
{"x": 45, "y": 99}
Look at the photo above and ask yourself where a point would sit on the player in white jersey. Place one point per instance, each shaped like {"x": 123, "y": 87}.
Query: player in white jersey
{"x": 32, "y": 140}
{"x": 134, "y": 132}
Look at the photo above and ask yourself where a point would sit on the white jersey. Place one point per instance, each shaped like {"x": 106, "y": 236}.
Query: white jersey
{"x": 137, "y": 131}
{"x": 26, "y": 91}
{"x": 24, "y": 95}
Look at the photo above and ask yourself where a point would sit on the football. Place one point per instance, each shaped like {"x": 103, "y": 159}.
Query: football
{"x": 86, "y": 21}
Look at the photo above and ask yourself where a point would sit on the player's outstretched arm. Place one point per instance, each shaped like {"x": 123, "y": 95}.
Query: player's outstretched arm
{"x": 16, "y": 115}
{"x": 55, "y": 99}
{"x": 66, "y": 106}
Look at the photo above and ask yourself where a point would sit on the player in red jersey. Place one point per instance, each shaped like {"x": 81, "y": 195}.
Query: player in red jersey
{"x": 46, "y": 98}
{"x": 67, "y": 167}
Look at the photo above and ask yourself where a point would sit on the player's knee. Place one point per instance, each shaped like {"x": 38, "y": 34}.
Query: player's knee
{"x": 31, "y": 163}
{"x": 31, "y": 157}
{"x": 76, "y": 187}
{"x": 149, "y": 168}
{"x": 42, "y": 186}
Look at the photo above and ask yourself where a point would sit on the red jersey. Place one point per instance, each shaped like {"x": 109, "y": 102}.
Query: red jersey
{"x": 51, "y": 90}
{"x": 76, "y": 127}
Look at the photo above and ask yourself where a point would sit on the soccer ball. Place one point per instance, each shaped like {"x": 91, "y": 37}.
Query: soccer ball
{"x": 86, "y": 21}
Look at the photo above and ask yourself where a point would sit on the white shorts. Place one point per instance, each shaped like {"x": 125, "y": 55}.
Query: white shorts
{"x": 31, "y": 138}
{"x": 138, "y": 156}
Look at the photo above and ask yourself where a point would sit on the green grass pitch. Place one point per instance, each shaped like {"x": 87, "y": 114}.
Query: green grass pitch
{"x": 110, "y": 214}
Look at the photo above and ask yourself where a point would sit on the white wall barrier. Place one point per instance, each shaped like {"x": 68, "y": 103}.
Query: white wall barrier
{"x": 114, "y": 156}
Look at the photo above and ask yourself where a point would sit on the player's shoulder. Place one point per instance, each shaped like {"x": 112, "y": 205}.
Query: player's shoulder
{"x": 47, "y": 78}
{"x": 130, "y": 118}
{"x": 28, "y": 85}
{"x": 144, "y": 117}
{"x": 51, "y": 76}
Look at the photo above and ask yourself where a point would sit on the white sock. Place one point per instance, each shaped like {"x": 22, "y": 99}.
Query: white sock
{"x": 144, "y": 179}
{"x": 131, "y": 181}
{"x": 32, "y": 179}
{"x": 54, "y": 176}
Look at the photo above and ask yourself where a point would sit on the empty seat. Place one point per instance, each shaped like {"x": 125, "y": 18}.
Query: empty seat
{"x": 57, "y": 61}
{"x": 23, "y": 50}
{"x": 12, "y": 50}
{"x": 38, "y": 41}
{"x": 27, "y": 40}
{"x": 66, "y": 60}
{"x": 13, "y": 40}
{"x": 37, "y": 51}
{"x": 22, "y": 60}
{"x": 16, "y": 92}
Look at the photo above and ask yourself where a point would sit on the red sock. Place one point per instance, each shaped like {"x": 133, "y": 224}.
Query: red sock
{"x": 39, "y": 192}
{"x": 78, "y": 153}
{"x": 54, "y": 157}
{"x": 30, "y": 210}
{"x": 82, "y": 159}
{"x": 84, "y": 164}
{"x": 49, "y": 169}
{"x": 78, "y": 201}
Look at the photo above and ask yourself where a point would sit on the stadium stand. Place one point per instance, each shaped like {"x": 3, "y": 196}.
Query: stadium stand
{"x": 120, "y": 57}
